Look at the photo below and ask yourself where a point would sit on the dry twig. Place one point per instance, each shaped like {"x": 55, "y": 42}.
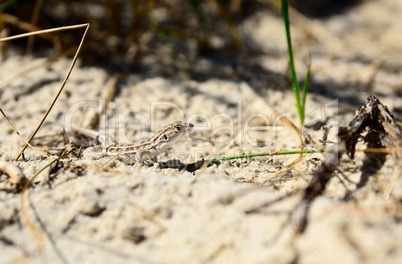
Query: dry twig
{"x": 16, "y": 175}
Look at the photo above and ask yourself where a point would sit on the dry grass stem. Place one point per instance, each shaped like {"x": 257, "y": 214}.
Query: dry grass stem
{"x": 34, "y": 21}
{"x": 65, "y": 79}
{"x": 23, "y": 139}
{"x": 37, "y": 235}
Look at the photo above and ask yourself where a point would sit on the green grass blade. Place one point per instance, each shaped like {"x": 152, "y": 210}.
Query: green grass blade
{"x": 288, "y": 152}
{"x": 197, "y": 164}
{"x": 7, "y": 4}
{"x": 295, "y": 82}
{"x": 305, "y": 86}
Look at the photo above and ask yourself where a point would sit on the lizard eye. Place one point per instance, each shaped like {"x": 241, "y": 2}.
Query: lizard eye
{"x": 178, "y": 128}
{"x": 165, "y": 137}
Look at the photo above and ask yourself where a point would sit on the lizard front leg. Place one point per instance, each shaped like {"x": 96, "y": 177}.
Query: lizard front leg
{"x": 143, "y": 156}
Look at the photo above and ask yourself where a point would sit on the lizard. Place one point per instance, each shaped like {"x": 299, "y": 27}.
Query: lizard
{"x": 143, "y": 150}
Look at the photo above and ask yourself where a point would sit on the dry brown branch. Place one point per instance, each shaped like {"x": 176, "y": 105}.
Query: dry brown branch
{"x": 373, "y": 118}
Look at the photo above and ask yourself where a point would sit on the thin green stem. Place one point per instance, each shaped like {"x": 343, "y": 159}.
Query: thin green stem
{"x": 289, "y": 152}
{"x": 198, "y": 164}
{"x": 305, "y": 86}
{"x": 295, "y": 83}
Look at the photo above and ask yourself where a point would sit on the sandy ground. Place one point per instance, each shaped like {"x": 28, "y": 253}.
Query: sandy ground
{"x": 93, "y": 210}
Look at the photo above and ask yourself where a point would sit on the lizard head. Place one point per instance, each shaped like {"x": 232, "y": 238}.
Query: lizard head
{"x": 172, "y": 132}
{"x": 180, "y": 127}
